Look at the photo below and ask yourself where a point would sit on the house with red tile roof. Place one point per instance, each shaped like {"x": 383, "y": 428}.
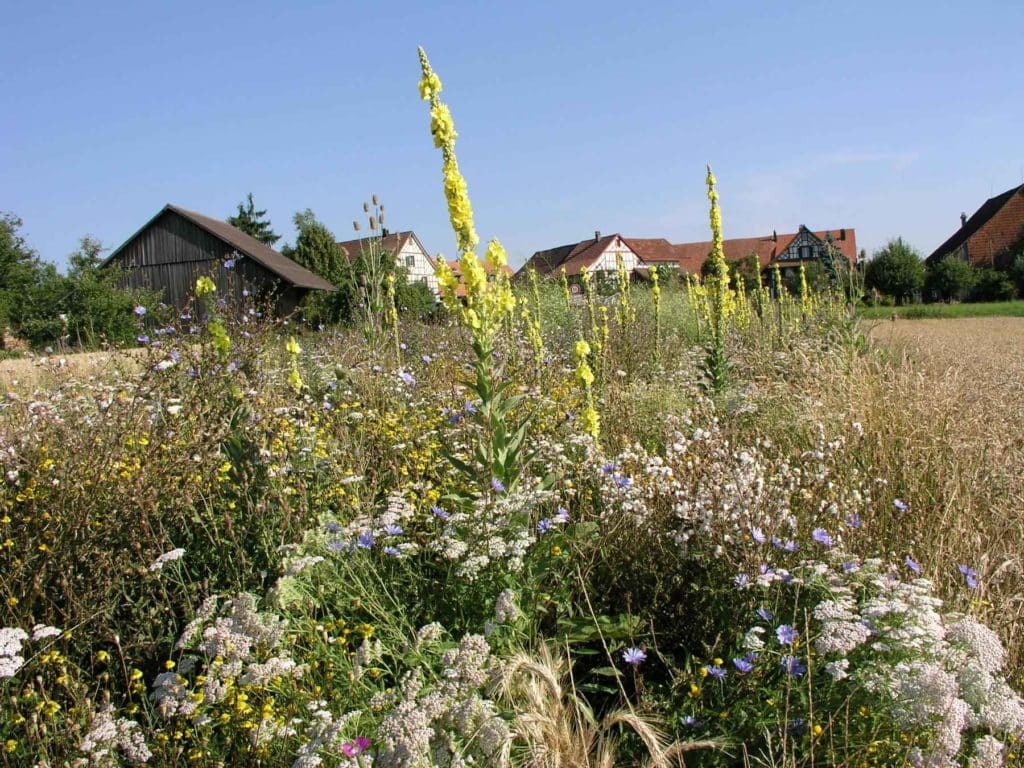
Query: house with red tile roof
{"x": 785, "y": 250}
{"x": 600, "y": 254}
{"x": 988, "y": 233}
{"x": 408, "y": 251}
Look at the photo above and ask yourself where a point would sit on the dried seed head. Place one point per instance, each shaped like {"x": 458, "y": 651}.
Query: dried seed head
{"x": 381, "y": 216}
{"x": 373, "y": 223}
{"x": 366, "y": 207}
{"x": 375, "y": 200}
{"x": 355, "y": 225}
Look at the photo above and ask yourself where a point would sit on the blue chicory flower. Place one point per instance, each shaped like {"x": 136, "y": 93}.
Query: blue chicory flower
{"x": 786, "y": 634}
{"x": 742, "y": 665}
{"x": 634, "y": 656}
{"x": 793, "y": 666}
{"x": 970, "y": 576}
{"x": 365, "y": 540}
{"x": 822, "y": 536}
{"x": 912, "y": 564}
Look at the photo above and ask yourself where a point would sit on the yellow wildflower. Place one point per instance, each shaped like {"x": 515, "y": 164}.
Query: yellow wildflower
{"x": 205, "y": 285}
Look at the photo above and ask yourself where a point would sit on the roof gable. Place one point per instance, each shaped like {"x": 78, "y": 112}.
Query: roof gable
{"x": 393, "y": 243}
{"x": 245, "y": 244}
{"x": 989, "y": 208}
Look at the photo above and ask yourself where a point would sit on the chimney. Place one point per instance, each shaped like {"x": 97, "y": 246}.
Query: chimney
{"x": 963, "y": 219}
{"x": 597, "y": 235}
{"x": 842, "y": 234}
{"x": 775, "y": 236}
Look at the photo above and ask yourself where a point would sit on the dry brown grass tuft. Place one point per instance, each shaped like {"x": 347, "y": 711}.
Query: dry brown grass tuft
{"x": 559, "y": 730}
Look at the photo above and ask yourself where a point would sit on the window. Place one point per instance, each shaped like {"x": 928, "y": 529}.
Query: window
{"x": 409, "y": 261}
{"x": 805, "y": 252}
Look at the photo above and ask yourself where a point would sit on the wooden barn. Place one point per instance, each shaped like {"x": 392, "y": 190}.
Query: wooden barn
{"x": 177, "y": 246}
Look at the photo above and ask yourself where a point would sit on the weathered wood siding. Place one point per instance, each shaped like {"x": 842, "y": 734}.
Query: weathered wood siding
{"x": 172, "y": 252}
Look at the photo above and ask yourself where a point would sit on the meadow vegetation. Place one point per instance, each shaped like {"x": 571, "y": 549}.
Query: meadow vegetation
{"x": 673, "y": 524}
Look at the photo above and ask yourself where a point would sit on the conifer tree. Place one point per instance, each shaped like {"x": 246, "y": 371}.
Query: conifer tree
{"x": 252, "y": 222}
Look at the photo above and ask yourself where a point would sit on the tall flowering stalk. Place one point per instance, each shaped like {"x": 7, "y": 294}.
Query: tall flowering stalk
{"x": 534, "y": 331}
{"x": 564, "y": 280}
{"x": 720, "y": 296}
{"x": 806, "y": 300}
{"x": 656, "y": 296}
{"x": 486, "y": 308}
{"x": 294, "y": 376}
{"x": 219, "y": 339}
{"x": 585, "y": 377}
{"x": 624, "y": 312}
{"x": 393, "y": 318}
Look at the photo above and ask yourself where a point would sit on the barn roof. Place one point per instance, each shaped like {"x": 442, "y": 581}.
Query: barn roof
{"x": 981, "y": 216}
{"x": 277, "y": 263}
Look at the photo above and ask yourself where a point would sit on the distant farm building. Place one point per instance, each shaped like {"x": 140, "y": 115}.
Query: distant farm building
{"x": 408, "y": 251}
{"x": 989, "y": 234}
{"x": 177, "y": 246}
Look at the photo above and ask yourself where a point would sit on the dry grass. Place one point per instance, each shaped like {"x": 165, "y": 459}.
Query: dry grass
{"x": 559, "y": 730}
{"x": 943, "y": 414}
{"x": 42, "y": 372}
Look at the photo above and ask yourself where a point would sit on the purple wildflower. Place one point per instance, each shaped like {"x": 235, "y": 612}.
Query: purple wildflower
{"x": 562, "y": 515}
{"x": 143, "y": 339}
{"x": 853, "y": 521}
{"x": 900, "y": 505}
{"x": 407, "y": 378}
{"x": 229, "y": 264}
{"x": 365, "y": 540}
{"x": 497, "y": 485}
{"x": 691, "y": 722}
{"x": 140, "y": 311}
{"x": 970, "y": 576}
{"x": 392, "y": 551}
{"x": 822, "y": 536}
{"x": 332, "y": 527}
{"x": 623, "y": 482}
{"x": 438, "y": 512}
{"x": 634, "y": 656}
{"x": 741, "y": 581}
{"x": 715, "y": 671}
{"x": 757, "y": 535}
{"x": 608, "y": 468}
{"x": 912, "y": 564}
{"x": 393, "y": 529}
{"x": 786, "y": 634}
{"x": 851, "y": 567}
{"x": 470, "y": 408}
{"x": 742, "y": 665}
{"x": 765, "y": 614}
{"x": 793, "y": 666}
{"x": 544, "y": 526}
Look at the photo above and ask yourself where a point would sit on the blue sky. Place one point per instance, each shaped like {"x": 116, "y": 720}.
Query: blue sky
{"x": 890, "y": 118}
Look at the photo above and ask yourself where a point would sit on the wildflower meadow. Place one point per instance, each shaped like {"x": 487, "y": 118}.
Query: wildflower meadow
{"x": 662, "y": 523}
